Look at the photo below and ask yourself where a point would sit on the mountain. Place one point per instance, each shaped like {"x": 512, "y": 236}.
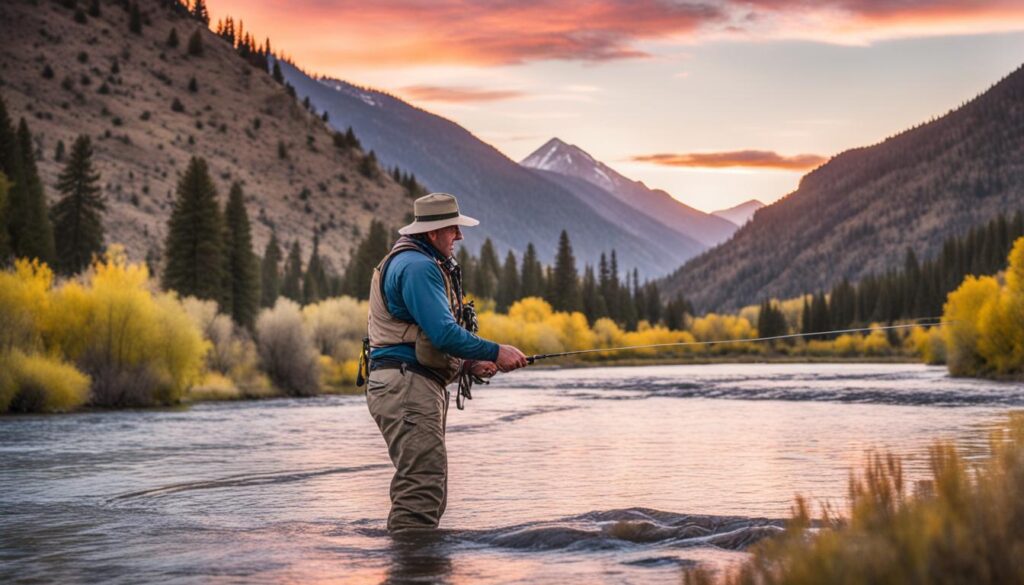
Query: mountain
{"x": 858, "y": 213}
{"x": 740, "y": 214}
{"x": 567, "y": 159}
{"x": 661, "y": 243}
{"x": 514, "y": 204}
{"x": 98, "y": 78}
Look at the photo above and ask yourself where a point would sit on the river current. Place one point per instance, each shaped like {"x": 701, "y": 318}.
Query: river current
{"x": 601, "y": 475}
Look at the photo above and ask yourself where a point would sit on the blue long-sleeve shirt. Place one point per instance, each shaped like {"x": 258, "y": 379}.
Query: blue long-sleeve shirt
{"x": 414, "y": 289}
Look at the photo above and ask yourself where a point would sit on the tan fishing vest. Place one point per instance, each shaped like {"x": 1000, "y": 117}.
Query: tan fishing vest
{"x": 385, "y": 329}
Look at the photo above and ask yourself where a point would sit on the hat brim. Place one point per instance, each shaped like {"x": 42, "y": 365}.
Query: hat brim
{"x": 419, "y": 227}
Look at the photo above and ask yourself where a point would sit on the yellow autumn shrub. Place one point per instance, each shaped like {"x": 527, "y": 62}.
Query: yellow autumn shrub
{"x": 24, "y": 302}
{"x": 927, "y": 343}
{"x": 40, "y": 383}
{"x": 139, "y": 346}
{"x": 715, "y": 327}
{"x": 337, "y": 326}
{"x": 960, "y": 318}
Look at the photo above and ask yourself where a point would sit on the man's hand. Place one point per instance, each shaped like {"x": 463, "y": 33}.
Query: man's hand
{"x": 483, "y": 369}
{"x": 510, "y": 358}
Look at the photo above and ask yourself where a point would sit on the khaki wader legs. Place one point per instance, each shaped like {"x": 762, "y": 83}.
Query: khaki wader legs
{"x": 410, "y": 411}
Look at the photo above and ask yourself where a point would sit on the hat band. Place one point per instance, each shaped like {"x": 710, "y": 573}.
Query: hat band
{"x": 438, "y": 216}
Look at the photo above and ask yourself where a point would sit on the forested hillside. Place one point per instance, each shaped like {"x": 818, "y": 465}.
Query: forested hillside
{"x": 152, "y": 86}
{"x": 858, "y": 213}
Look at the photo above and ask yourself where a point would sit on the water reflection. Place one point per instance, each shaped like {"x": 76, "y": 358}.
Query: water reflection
{"x": 419, "y": 556}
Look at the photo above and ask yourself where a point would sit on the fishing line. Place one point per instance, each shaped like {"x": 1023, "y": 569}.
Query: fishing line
{"x": 533, "y": 358}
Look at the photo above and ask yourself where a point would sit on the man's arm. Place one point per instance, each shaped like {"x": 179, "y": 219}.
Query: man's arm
{"x": 423, "y": 293}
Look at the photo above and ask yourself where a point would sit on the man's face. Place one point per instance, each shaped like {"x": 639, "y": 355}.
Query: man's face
{"x": 444, "y": 239}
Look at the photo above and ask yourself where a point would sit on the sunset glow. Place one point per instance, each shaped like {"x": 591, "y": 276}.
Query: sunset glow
{"x": 663, "y": 91}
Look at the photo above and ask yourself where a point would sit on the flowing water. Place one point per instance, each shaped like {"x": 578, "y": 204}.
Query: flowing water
{"x": 605, "y": 475}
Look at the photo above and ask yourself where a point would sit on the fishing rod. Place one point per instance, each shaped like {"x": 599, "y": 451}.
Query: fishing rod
{"x": 543, "y": 356}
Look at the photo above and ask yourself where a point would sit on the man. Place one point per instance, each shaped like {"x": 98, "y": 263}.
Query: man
{"x": 417, "y": 346}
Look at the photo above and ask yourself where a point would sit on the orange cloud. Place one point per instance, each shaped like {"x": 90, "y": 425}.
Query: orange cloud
{"x": 457, "y": 95}
{"x": 410, "y": 32}
{"x": 328, "y": 34}
{"x": 761, "y": 159}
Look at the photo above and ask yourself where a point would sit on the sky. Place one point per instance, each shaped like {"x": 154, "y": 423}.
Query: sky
{"x": 717, "y": 102}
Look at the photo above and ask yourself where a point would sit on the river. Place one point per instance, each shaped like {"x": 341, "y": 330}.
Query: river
{"x": 601, "y": 475}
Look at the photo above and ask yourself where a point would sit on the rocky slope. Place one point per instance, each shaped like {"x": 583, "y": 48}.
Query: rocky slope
{"x": 118, "y": 87}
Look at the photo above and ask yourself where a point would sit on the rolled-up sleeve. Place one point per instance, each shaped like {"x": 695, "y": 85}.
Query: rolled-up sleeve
{"x": 423, "y": 293}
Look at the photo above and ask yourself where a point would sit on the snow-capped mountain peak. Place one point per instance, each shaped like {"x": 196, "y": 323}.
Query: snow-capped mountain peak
{"x": 567, "y": 159}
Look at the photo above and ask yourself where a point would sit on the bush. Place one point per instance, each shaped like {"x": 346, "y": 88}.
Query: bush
{"x": 339, "y": 377}
{"x": 927, "y": 344}
{"x": 337, "y": 326}
{"x": 24, "y": 303}
{"x": 177, "y": 106}
{"x": 966, "y": 525}
{"x": 139, "y": 347}
{"x": 286, "y": 349}
{"x": 38, "y": 383}
{"x": 232, "y": 353}
{"x": 960, "y": 324}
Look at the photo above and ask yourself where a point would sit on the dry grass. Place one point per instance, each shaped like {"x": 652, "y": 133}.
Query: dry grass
{"x": 964, "y": 526}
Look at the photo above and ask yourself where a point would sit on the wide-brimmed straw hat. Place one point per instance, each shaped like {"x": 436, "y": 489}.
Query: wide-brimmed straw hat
{"x": 434, "y": 212}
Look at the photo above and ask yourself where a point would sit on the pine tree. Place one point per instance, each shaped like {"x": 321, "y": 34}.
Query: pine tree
{"x": 590, "y": 297}
{"x": 277, "y": 75}
{"x": 770, "y": 320}
{"x": 565, "y": 289}
{"x": 241, "y": 267}
{"x": 194, "y": 248}
{"x": 628, "y": 307}
{"x": 134, "y": 19}
{"x": 58, "y": 153}
{"x": 270, "y": 272}
{"x": 291, "y": 286}
{"x": 195, "y": 43}
{"x": 94, "y": 8}
{"x": 654, "y": 308}
{"x": 487, "y": 271}
{"x": 676, "y": 311}
{"x": 172, "y": 39}
{"x": 819, "y": 315}
{"x": 467, "y": 264}
{"x": 78, "y": 227}
{"x": 508, "y": 284}
{"x": 31, "y": 230}
{"x": 368, "y": 166}
{"x": 5, "y": 189}
{"x": 200, "y": 13}
{"x": 364, "y": 259}
{"x": 805, "y": 317}
{"x": 314, "y": 281}
{"x": 532, "y": 274}
{"x": 10, "y": 166}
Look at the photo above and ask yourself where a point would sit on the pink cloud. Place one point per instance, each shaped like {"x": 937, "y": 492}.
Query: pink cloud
{"x": 333, "y": 33}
